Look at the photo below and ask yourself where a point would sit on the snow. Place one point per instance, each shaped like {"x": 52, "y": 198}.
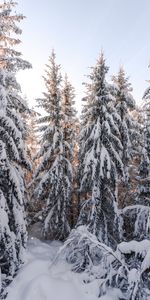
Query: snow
{"x": 41, "y": 279}
{"x": 2, "y": 152}
{"x": 146, "y": 261}
{"x": 137, "y": 206}
{"x": 114, "y": 294}
{"x": 134, "y": 246}
{"x": 38, "y": 280}
{"x": 133, "y": 276}
{"x": 105, "y": 157}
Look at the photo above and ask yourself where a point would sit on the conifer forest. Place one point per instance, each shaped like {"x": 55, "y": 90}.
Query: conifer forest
{"x": 74, "y": 190}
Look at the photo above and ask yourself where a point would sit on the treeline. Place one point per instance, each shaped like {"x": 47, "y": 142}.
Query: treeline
{"x": 92, "y": 175}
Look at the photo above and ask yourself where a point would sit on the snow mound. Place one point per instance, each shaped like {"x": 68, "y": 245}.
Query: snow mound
{"x": 38, "y": 280}
{"x": 134, "y": 246}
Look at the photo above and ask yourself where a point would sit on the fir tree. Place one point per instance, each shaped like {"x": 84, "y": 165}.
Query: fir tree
{"x": 68, "y": 111}
{"x": 99, "y": 155}
{"x": 69, "y": 123}
{"x": 33, "y": 207}
{"x": 32, "y": 143}
{"x": 144, "y": 168}
{"x": 124, "y": 103}
{"x": 146, "y": 109}
{"x": 54, "y": 174}
{"x": 13, "y": 158}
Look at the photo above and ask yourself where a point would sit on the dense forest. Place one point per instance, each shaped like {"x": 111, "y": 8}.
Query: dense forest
{"x": 82, "y": 181}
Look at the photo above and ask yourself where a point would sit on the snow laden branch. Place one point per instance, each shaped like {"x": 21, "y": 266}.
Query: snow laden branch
{"x": 127, "y": 268}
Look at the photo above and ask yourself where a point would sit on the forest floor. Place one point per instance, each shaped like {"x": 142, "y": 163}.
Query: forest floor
{"x": 41, "y": 279}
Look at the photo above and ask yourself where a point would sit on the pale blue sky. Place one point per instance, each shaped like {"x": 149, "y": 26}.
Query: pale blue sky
{"x": 77, "y": 30}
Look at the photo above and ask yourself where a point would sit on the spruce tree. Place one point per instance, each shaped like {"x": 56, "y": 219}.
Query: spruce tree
{"x": 136, "y": 215}
{"x": 68, "y": 111}
{"x": 124, "y": 103}
{"x": 144, "y": 168}
{"x": 146, "y": 109}
{"x": 69, "y": 123}
{"x": 13, "y": 158}
{"x": 33, "y": 207}
{"x": 99, "y": 156}
{"x": 54, "y": 174}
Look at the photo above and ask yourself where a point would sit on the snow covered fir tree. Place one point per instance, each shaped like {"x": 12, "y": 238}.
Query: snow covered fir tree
{"x": 124, "y": 103}
{"x": 136, "y": 215}
{"x": 13, "y": 160}
{"x": 146, "y": 110}
{"x": 54, "y": 175}
{"x": 32, "y": 145}
{"x": 69, "y": 124}
{"x": 100, "y": 162}
{"x": 145, "y": 160}
{"x": 140, "y": 212}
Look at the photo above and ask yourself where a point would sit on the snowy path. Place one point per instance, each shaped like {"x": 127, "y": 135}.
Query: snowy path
{"x": 37, "y": 281}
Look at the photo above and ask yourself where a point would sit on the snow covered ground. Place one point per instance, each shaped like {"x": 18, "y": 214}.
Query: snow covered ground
{"x": 40, "y": 279}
